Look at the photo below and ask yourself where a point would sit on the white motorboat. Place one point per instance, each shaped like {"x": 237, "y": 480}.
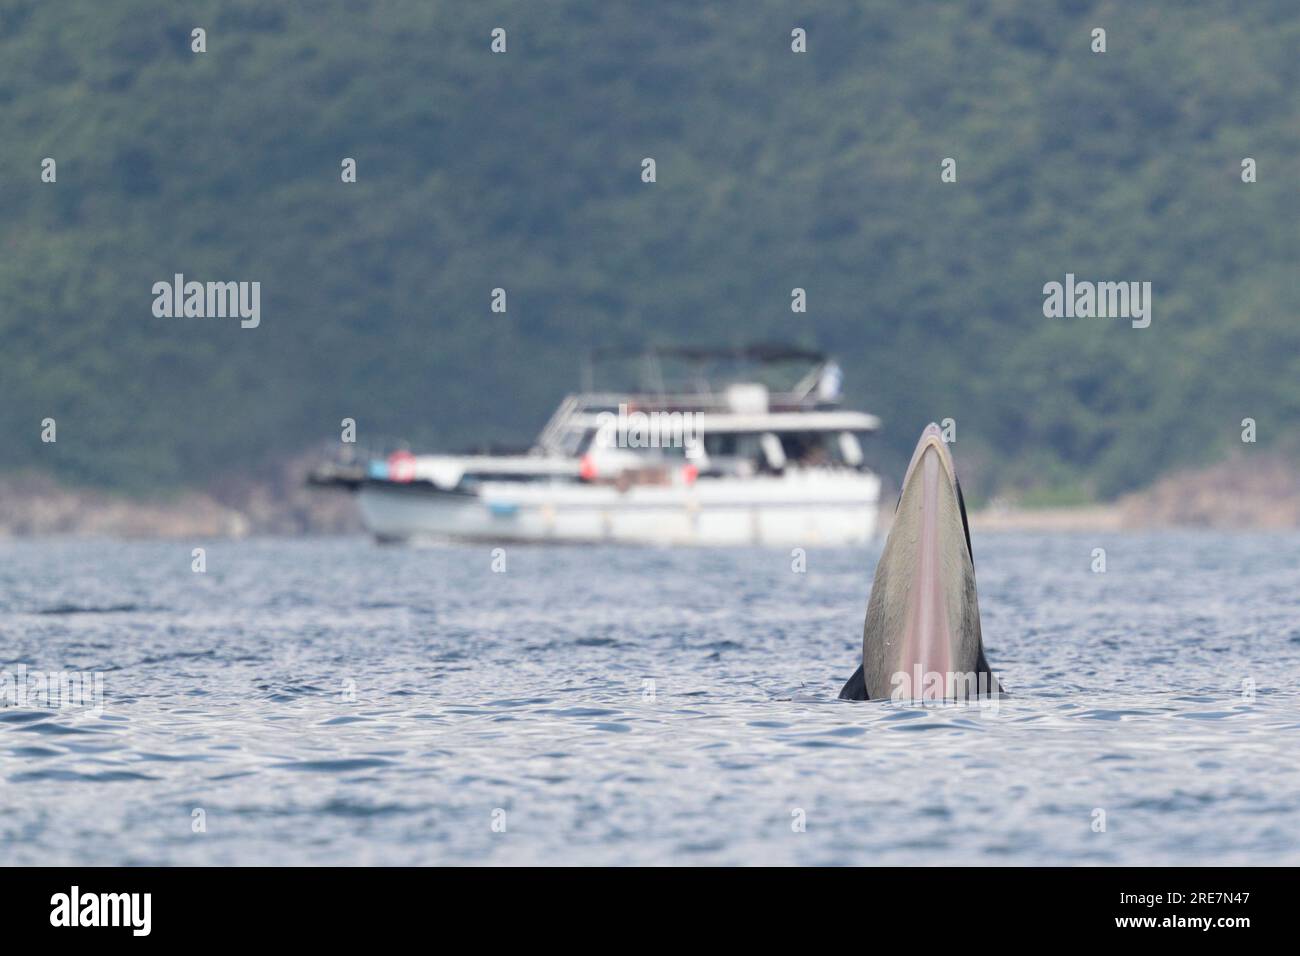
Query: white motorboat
{"x": 732, "y": 463}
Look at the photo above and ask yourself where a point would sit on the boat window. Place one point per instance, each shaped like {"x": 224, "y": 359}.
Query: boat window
{"x": 815, "y": 449}
{"x": 732, "y": 445}
{"x": 720, "y": 446}
{"x": 732, "y": 453}
{"x": 728, "y": 450}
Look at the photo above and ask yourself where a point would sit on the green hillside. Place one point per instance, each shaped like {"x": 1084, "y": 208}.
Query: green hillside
{"x": 523, "y": 170}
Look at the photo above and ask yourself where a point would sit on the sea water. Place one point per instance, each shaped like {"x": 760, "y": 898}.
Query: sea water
{"x": 330, "y": 701}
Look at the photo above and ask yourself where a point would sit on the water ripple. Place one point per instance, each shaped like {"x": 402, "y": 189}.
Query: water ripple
{"x": 326, "y": 702}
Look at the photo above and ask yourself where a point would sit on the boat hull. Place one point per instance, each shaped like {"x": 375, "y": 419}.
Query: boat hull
{"x": 812, "y": 509}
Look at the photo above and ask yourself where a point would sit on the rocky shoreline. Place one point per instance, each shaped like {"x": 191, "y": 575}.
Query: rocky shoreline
{"x": 1255, "y": 493}
{"x": 1238, "y": 494}
{"x": 278, "y": 503}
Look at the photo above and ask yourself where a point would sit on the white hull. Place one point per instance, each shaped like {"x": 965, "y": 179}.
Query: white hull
{"x": 798, "y": 509}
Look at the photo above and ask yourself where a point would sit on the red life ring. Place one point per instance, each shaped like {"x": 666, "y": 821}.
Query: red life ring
{"x": 401, "y": 466}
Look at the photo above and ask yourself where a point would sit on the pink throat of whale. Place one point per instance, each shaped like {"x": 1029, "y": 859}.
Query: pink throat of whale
{"x": 927, "y": 637}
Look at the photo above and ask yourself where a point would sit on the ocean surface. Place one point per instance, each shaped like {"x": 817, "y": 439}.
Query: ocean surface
{"x": 334, "y": 702}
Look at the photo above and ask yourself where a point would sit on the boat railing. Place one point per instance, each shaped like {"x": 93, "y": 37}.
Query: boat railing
{"x": 578, "y": 407}
{"x": 551, "y": 438}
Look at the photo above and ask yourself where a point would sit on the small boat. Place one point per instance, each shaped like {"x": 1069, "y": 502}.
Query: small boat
{"x": 736, "y": 461}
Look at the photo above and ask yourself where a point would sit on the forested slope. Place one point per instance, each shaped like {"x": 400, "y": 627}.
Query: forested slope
{"x": 522, "y": 170}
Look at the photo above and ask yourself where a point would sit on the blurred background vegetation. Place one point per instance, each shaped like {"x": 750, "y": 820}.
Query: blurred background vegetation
{"x": 775, "y": 170}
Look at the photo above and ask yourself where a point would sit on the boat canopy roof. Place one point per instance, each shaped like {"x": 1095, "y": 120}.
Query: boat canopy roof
{"x": 733, "y": 423}
{"x": 767, "y": 352}
{"x": 719, "y": 403}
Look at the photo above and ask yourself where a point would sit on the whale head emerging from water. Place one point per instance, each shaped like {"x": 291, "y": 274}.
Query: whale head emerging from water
{"x": 921, "y": 640}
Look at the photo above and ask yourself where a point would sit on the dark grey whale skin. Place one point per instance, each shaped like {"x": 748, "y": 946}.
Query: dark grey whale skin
{"x": 856, "y": 687}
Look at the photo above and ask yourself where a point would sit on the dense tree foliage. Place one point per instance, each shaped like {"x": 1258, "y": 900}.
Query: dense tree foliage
{"x": 523, "y": 170}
